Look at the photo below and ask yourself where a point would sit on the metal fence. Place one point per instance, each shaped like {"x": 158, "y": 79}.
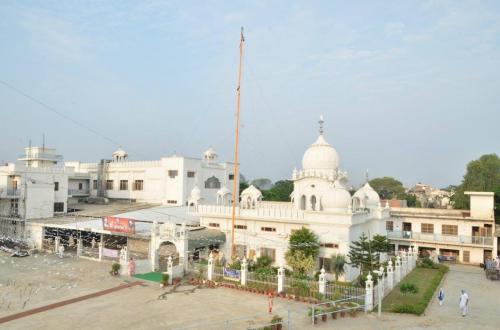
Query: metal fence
{"x": 351, "y": 305}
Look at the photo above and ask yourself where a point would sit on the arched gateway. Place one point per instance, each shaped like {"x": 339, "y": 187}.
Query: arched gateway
{"x": 168, "y": 239}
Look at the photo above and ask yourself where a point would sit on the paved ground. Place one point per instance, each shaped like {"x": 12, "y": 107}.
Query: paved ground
{"x": 46, "y": 280}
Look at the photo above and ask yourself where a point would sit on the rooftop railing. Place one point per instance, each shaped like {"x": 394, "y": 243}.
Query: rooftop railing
{"x": 457, "y": 239}
{"x": 40, "y": 156}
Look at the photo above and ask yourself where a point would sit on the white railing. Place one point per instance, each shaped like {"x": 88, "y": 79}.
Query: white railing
{"x": 458, "y": 239}
{"x": 78, "y": 191}
{"x": 41, "y": 155}
{"x": 261, "y": 212}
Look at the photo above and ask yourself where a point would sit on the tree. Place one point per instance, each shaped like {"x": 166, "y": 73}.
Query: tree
{"x": 387, "y": 187}
{"x": 380, "y": 244}
{"x": 337, "y": 265}
{"x": 361, "y": 255}
{"x": 306, "y": 241}
{"x": 482, "y": 174}
{"x": 280, "y": 192}
{"x": 262, "y": 184}
{"x": 299, "y": 261}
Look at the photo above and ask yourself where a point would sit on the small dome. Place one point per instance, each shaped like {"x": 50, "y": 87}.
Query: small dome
{"x": 252, "y": 191}
{"x": 195, "y": 193}
{"x": 320, "y": 156}
{"x": 367, "y": 196}
{"x": 223, "y": 191}
{"x": 337, "y": 198}
{"x": 210, "y": 154}
{"x": 119, "y": 153}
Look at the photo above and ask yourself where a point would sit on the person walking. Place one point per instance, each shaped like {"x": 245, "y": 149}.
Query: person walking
{"x": 464, "y": 302}
{"x": 131, "y": 267}
{"x": 270, "y": 297}
{"x": 441, "y": 297}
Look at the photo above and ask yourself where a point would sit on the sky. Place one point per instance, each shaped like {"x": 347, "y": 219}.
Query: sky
{"x": 408, "y": 89}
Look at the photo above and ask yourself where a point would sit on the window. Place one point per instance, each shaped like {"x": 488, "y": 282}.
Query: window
{"x": 214, "y": 224}
{"x": 58, "y": 207}
{"x": 427, "y": 228}
{"x": 466, "y": 256}
{"x": 268, "y": 229}
{"x": 244, "y": 227}
{"x": 389, "y": 225}
{"x": 80, "y": 186}
{"x": 329, "y": 245}
{"x": 94, "y": 184}
{"x": 271, "y": 253}
{"x": 231, "y": 177}
{"x": 14, "y": 206}
{"x": 139, "y": 185}
{"x": 241, "y": 250}
{"x": 109, "y": 184}
{"x": 449, "y": 230}
{"x": 325, "y": 262}
{"x": 172, "y": 174}
{"x": 56, "y": 186}
{"x": 171, "y": 201}
{"x": 191, "y": 174}
{"x": 123, "y": 184}
{"x": 212, "y": 183}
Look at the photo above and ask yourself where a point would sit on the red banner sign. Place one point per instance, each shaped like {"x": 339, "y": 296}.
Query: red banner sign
{"x": 119, "y": 225}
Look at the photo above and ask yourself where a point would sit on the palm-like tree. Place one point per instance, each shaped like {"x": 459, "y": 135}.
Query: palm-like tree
{"x": 337, "y": 265}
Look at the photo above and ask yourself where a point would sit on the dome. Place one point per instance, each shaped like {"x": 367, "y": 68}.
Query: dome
{"x": 337, "y": 197}
{"x": 320, "y": 156}
{"x": 195, "y": 193}
{"x": 368, "y": 197}
{"x": 252, "y": 191}
{"x": 210, "y": 154}
{"x": 119, "y": 153}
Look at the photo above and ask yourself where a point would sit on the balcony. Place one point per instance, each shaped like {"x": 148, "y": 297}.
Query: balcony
{"x": 40, "y": 156}
{"x": 440, "y": 238}
{"x": 10, "y": 193}
{"x": 78, "y": 192}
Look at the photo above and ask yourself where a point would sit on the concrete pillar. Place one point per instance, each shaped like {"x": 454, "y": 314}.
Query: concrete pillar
{"x": 322, "y": 281}
{"x": 101, "y": 250}
{"x": 210, "y": 269}
{"x": 170, "y": 269}
{"x": 281, "y": 279}
{"x": 369, "y": 293}
{"x": 381, "y": 281}
{"x": 397, "y": 273}
{"x": 79, "y": 247}
{"x": 57, "y": 241}
{"x": 404, "y": 264}
{"x": 243, "y": 277}
{"x": 390, "y": 276}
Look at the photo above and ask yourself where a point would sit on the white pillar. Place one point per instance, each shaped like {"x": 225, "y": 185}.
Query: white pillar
{"x": 210, "y": 269}
{"x": 57, "y": 241}
{"x": 390, "y": 276}
{"x": 281, "y": 279}
{"x": 381, "y": 281}
{"x": 79, "y": 247}
{"x": 404, "y": 264}
{"x": 101, "y": 248}
{"x": 243, "y": 277}
{"x": 397, "y": 273}
{"x": 170, "y": 269}
{"x": 369, "y": 293}
{"x": 415, "y": 256}
{"x": 322, "y": 281}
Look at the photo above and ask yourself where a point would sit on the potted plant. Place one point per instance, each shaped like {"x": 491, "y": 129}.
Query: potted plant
{"x": 164, "y": 280}
{"x": 115, "y": 269}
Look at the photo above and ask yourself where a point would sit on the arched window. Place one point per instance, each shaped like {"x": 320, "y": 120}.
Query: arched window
{"x": 303, "y": 202}
{"x": 212, "y": 183}
{"x": 313, "y": 203}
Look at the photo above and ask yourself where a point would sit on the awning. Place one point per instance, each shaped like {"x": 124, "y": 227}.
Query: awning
{"x": 204, "y": 237}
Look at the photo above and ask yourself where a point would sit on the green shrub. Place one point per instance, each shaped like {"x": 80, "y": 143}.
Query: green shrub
{"x": 408, "y": 287}
{"x": 407, "y": 309}
{"x": 115, "y": 268}
{"x": 164, "y": 279}
{"x": 426, "y": 262}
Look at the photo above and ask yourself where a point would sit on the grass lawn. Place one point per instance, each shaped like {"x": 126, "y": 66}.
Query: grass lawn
{"x": 153, "y": 276}
{"x": 426, "y": 280}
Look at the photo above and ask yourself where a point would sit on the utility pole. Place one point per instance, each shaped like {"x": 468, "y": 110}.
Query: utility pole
{"x": 235, "y": 165}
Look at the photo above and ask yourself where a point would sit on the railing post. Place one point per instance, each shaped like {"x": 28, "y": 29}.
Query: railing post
{"x": 390, "y": 276}
{"x": 57, "y": 241}
{"x": 210, "y": 269}
{"x": 243, "y": 277}
{"x": 368, "y": 294}
{"x": 322, "y": 281}
{"x": 404, "y": 264}
{"x": 281, "y": 279}
{"x": 397, "y": 276}
{"x": 170, "y": 269}
{"x": 79, "y": 247}
{"x": 101, "y": 250}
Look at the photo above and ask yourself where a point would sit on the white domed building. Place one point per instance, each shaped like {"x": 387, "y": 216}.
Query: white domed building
{"x": 320, "y": 201}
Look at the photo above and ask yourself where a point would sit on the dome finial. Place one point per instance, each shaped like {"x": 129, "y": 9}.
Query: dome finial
{"x": 366, "y": 176}
{"x": 321, "y": 122}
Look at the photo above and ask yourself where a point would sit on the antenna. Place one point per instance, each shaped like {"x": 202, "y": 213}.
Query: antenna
{"x": 321, "y": 122}
{"x": 43, "y": 141}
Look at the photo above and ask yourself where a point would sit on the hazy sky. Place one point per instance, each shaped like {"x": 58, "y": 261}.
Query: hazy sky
{"x": 409, "y": 89}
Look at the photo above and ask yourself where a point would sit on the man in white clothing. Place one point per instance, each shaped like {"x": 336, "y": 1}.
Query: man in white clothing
{"x": 464, "y": 302}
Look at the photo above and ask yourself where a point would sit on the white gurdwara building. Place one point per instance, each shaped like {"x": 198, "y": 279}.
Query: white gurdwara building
{"x": 320, "y": 202}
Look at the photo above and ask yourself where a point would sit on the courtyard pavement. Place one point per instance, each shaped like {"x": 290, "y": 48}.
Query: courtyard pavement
{"x": 31, "y": 282}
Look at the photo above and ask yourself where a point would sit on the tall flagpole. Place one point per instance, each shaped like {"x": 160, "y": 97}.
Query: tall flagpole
{"x": 235, "y": 169}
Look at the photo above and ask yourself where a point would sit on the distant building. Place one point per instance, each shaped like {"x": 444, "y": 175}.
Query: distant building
{"x": 429, "y": 196}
